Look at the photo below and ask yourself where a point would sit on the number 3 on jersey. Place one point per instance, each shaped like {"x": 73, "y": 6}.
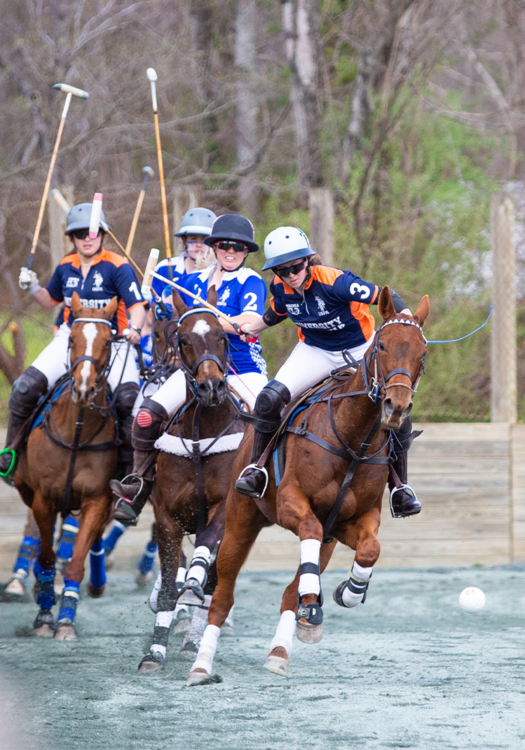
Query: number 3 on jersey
{"x": 360, "y": 289}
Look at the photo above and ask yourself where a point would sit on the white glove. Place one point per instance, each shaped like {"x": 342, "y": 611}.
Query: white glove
{"x": 28, "y": 281}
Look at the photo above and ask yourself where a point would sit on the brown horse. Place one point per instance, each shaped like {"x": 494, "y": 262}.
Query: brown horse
{"x": 51, "y": 477}
{"x": 317, "y": 478}
{"x": 193, "y": 479}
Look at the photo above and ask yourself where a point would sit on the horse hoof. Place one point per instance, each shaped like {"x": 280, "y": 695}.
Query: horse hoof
{"x": 150, "y": 663}
{"x": 190, "y": 598}
{"x": 15, "y": 588}
{"x": 44, "y": 625}
{"x": 93, "y": 592}
{"x": 65, "y": 633}
{"x": 110, "y": 561}
{"x": 308, "y": 633}
{"x": 143, "y": 580}
{"x": 197, "y": 678}
{"x": 277, "y": 665}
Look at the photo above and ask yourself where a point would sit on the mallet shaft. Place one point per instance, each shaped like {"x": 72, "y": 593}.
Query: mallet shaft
{"x": 135, "y": 221}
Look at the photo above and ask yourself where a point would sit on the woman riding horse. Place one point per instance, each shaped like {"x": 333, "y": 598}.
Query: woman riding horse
{"x": 330, "y": 308}
{"x": 97, "y": 275}
{"x": 241, "y": 294}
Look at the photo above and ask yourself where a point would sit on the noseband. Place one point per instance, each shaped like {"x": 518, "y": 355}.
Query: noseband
{"x": 377, "y": 381}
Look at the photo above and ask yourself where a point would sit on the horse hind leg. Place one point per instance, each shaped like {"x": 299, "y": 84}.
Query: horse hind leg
{"x": 353, "y": 591}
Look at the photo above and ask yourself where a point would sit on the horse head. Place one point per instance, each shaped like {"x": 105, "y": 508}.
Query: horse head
{"x": 203, "y": 350}
{"x": 163, "y": 334}
{"x": 90, "y": 346}
{"x": 397, "y": 359}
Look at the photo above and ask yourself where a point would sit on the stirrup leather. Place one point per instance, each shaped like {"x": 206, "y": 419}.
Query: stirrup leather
{"x": 405, "y": 487}
{"x": 5, "y": 474}
{"x": 257, "y": 468}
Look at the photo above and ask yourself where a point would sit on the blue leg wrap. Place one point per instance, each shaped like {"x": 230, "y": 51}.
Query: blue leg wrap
{"x": 97, "y": 561}
{"x": 45, "y": 586}
{"x": 69, "y": 601}
{"x": 25, "y": 554}
{"x": 67, "y": 538}
{"x": 114, "y": 535}
{"x": 147, "y": 561}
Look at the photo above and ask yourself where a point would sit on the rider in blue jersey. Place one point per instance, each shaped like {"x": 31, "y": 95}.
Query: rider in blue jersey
{"x": 241, "y": 293}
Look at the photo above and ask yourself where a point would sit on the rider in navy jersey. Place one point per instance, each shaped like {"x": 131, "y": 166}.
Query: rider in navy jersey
{"x": 97, "y": 275}
{"x": 241, "y": 293}
{"x": 330, "y": 309}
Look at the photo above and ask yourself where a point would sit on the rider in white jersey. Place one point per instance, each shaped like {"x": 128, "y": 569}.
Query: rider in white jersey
{"x": 97, "y": 275}
{"x": 241, "y": 293}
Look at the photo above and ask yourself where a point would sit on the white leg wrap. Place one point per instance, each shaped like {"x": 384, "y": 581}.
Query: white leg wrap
{"x": 359, "y": 575}
{"x": 284, "y": 634}
{"x": 309, "y": 583}
{"x": 207, "y": 649}
{"x": 158, "y": 649}
{"x": 198, "y": 571}
{"x": 181, "y": 608}
{"x": 163, "y": 619}
{"x": 181, "y": 575}
{"x": 155, "y": 592}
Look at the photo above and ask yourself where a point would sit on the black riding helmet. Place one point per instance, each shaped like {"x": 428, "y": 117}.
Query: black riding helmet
{"x": 233, "y": 227}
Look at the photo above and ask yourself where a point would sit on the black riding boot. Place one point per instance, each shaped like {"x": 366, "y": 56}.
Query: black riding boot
{"x": 126, "y": 396}
{"x": 403, "y": 500}
{"x": 26, "y": 393}
{"x": 266, "y": 419}
{"x": 135, "y": 489}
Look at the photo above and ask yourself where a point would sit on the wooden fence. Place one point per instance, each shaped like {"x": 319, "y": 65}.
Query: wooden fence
{"x": 469, "y": 477}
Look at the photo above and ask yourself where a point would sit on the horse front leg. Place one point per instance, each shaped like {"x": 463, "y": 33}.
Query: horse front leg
{"x": 361, "y": 536}
{"x": 244, "y": 521}
{"x": 92, "y": 521}
{"x": 278, "y": 659}
{"x": 169, "y": 533}
{"x": 44, "y": 566}
{"x": 192, "y": 592}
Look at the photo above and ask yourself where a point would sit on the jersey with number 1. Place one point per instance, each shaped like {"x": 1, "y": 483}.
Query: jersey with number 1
{"x": 241, "y": 291}
{"x": 332, "y": 313}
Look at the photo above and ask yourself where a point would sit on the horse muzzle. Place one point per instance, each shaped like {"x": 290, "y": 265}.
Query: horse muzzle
{"x": 212, "y": 391}
{"x": 394, "y": 413}
{"x": 81, "y": 398}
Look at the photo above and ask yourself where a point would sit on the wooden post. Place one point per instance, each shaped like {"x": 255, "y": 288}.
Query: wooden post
{"x": 503, "y": 331}
{"x": 184, "y": 198}
{"x": 321, "y": 207}
{"x": 59, "y": 244}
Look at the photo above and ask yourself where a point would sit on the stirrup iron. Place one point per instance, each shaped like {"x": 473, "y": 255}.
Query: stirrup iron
{"x": 263, "y": 470}
{"x": 408, "y": 489}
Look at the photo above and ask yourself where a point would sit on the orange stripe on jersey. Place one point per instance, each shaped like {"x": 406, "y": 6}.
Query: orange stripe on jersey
{"x": 362, "y": 314}
{"x": 67, "y": 313}
{"x": 272, "y": 305}
{"x": 324, "y": 274}
{"x": 375, "y": 295}
{"x": 74, "y": 259}
{"x": 122, "y": 316}
{"x": 287, "y": 289}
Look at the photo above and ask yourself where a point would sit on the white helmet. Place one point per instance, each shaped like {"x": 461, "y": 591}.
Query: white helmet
{"x": 196, "y": 221}
{"x": 285, "y": 244}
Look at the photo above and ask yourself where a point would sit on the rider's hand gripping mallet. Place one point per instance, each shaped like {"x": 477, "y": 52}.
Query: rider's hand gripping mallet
{"x": 70, "y": 91}
{"x": 152, "y": 77}
{"x": 147, "y": 172}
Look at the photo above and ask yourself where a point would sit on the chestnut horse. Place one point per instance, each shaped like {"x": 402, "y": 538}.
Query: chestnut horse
{"x": 47, "y": 472}
{"x": 320, "y": 478}
{"x": 193, "y": 479}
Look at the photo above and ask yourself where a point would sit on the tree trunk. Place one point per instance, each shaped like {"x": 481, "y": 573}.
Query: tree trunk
{"x": 301, "y": 20}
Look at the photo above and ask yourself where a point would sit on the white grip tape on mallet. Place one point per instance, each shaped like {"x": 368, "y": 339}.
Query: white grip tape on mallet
{"x": 148, "y": 273}
{"x": 94, "y": 222}
{"x": 152, "y": 77}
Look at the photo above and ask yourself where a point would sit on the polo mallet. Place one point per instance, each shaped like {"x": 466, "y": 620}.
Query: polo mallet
{"x": 62, "y": 202}
{"x": 94, "y": 220}
{"x": 152, "y": 77}
{"x": 147, "y": 172}
{"x": 70, "y": 91}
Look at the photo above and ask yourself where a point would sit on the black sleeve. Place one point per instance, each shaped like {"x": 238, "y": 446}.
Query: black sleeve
{"x": 271, "y": 318}
{"x": 396, "y": 300}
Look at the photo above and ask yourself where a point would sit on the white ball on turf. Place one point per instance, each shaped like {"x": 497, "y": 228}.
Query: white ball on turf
{"x": 472, "y": 599}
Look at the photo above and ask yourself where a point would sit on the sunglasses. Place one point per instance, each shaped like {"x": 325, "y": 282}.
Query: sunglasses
{"x": 284, "y": 272}
{"x": 81, "y": 234}
{"x": 237, "y": 247}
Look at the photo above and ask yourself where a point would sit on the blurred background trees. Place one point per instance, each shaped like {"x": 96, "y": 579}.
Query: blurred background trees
{"x": 408, "y": 113}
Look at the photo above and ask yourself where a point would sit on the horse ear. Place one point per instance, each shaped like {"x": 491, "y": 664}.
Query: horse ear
{"x": 385, "y": 304}
{"x": 212, "y": 295}
{"x": 178, "y": 303}
{"x": 111, "y": 308}
{"x": 76, "y": 305}
{"x": 422, "y": 311}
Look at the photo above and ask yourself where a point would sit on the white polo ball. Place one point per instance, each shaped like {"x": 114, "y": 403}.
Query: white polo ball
{"x": 472, "y": 599}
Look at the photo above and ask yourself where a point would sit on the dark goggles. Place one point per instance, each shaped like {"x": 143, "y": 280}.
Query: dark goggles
{"x": 284, "y": 271}
{"x": 82, "y": 234}
{"x": 237, "y": 247}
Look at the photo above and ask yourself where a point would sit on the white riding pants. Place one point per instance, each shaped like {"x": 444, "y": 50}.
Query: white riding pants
{"x": 53, "y": 361}
{"x": 173, "y": 393}
{"x": 307, "y": 365}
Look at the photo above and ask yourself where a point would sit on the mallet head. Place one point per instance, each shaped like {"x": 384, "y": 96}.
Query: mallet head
{"x": 147, "y": 172}
{"x": 67, "y": 89}
{"x": 148, "y": 273}
{"x": 152, "y": 74}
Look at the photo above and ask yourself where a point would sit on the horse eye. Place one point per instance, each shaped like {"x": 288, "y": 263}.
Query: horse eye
{"x": 381, "y": 347}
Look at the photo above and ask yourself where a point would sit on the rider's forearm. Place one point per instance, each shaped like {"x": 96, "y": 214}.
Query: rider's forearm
{"x": 248, "y": 318}
{"x": 137, "y": 316}
{"x": 43, "y": 298}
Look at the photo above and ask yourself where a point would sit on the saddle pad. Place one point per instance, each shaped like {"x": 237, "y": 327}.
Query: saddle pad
{"x": 172, "y": 444}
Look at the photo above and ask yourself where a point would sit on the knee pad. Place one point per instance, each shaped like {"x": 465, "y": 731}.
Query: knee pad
{"x": 27, "y": 389}
{"x": 125, "y": 399}
{"x": 270, "y": 403}
{"x": 148, "y": 425}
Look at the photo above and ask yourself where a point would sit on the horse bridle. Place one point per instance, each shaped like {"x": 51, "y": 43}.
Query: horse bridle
{"x": 376, "y": 381}
{"x": 191, "y": 372}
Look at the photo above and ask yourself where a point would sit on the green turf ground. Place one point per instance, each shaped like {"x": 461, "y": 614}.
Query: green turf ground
{"x": 408, "y": 669}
